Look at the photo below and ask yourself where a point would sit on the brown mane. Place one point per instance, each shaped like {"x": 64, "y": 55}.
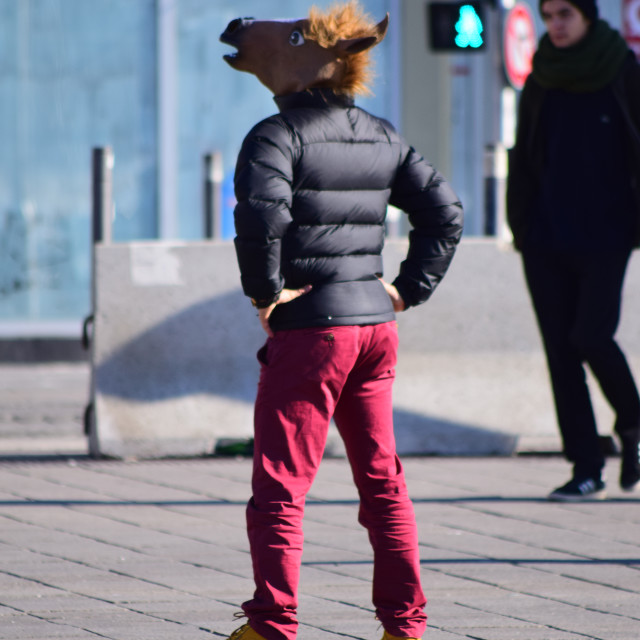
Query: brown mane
{"x": 340, "y": 22}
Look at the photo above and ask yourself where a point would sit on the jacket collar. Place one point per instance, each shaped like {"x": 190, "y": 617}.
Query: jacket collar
{"x": 319, "y": 98}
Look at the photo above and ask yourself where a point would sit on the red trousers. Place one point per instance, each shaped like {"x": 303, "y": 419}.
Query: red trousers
{"x": 307, "y": 377}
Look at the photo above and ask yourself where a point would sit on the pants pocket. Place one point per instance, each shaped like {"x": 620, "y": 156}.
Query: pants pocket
{"x": 262, "y": 354}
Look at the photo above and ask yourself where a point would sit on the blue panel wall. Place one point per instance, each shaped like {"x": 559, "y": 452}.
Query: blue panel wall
{"x": 73, "y": 75}
{"x": 77, "y": 74}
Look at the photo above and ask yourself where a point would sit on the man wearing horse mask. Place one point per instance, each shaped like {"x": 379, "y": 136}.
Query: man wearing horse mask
{"x": 313, "y": 184}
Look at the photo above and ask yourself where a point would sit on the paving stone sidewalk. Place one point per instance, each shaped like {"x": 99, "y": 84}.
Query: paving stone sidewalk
{"x": 42, "y": 408}
{"x": 157, "y": 549}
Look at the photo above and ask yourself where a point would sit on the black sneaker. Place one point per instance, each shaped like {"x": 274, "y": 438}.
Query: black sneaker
{"x": 578, "y": 489}
{"x": 630, "y": 468}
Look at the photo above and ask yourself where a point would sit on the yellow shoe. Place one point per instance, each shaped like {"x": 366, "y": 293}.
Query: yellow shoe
{"x": 245, "y": 632}
{"x": 388, "y": 636}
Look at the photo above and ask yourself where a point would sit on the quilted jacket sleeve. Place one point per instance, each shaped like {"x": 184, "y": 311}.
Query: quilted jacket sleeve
{"x": 436, "y": 215}
{"x": 262, "y": 215}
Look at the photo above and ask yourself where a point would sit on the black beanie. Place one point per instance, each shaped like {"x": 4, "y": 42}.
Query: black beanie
{"x": 588, "y": 7}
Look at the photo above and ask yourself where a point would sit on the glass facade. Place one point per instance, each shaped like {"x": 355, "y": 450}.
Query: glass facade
{"x": 145, "y": 77}
{"x": 73, "y": 75}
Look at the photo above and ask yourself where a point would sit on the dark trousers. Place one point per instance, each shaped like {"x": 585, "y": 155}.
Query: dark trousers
{"x": 577, "y": 297}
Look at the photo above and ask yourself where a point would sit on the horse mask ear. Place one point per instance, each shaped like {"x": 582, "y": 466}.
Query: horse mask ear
{"x": 352, "y": 46}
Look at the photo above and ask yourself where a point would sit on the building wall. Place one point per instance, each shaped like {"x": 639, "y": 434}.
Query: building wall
{"x": 426, "y": 104}
{"x": 72, "y": 75}
{"x": 147, "y": 78}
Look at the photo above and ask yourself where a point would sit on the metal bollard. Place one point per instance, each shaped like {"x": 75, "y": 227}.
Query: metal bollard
{"x": 213, "y": 177}
{"x": 102, "y": 217}
{"x": 102, "y": 193}
{"x": 102, "y": 161}
{"x": 495, "y": 174}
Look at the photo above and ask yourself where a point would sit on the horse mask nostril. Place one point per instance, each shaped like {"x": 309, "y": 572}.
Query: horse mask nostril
{"x": 236, "y": 24}
{"x": 234, "y": 30}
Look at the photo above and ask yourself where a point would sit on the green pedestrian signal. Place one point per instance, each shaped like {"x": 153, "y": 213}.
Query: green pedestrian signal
{"x": 469, "y": 28}
{"x": 456, "y": 26}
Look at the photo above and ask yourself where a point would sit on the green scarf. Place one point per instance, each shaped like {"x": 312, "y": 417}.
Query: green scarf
{"x": 587, "y": 66}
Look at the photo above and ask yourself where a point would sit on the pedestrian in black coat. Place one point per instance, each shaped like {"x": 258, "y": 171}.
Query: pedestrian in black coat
{"x": 573, "y": 204}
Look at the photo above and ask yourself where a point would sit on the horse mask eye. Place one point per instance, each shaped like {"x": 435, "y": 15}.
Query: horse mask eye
{"x": 296, "y": 39}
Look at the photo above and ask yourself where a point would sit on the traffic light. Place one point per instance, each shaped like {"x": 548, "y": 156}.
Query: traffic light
{"x": 457, "y": 26}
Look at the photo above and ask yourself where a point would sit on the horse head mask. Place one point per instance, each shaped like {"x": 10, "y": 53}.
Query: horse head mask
{"x": 329, "y": 50}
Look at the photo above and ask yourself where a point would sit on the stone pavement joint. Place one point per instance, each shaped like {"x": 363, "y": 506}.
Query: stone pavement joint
{"x": 158, "y": 549}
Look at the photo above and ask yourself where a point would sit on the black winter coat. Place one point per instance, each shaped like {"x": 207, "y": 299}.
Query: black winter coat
{"x": 526, "y": 158}
{"x": 313, "y": 183}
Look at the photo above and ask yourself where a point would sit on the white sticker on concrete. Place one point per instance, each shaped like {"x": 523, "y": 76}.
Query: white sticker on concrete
{"x": 153, "y": 266}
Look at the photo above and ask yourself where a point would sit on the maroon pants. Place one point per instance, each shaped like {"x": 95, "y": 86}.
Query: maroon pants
{"x": 307, "y": 377}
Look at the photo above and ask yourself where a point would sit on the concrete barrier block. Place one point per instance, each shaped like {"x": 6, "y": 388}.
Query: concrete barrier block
{"x": 174, "y": 368}
{"x": 174, "y": 349}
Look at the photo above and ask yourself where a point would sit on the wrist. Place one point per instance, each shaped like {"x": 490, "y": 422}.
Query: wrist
{"x": 263, "y": 303}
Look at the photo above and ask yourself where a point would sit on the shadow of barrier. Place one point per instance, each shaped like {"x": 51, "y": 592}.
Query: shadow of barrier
{"x": 174, "y": 370}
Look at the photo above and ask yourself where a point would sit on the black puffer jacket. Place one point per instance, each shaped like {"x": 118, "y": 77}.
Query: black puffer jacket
{"x": 312, "y": 185}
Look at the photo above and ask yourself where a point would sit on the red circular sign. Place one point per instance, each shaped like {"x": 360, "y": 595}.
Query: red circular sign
{"x": 631, "y": 24}
{"x": 519, "y": 44}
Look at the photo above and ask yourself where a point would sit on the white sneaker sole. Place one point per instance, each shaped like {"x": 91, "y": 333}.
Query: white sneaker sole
{"x": 563, "y": 497}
